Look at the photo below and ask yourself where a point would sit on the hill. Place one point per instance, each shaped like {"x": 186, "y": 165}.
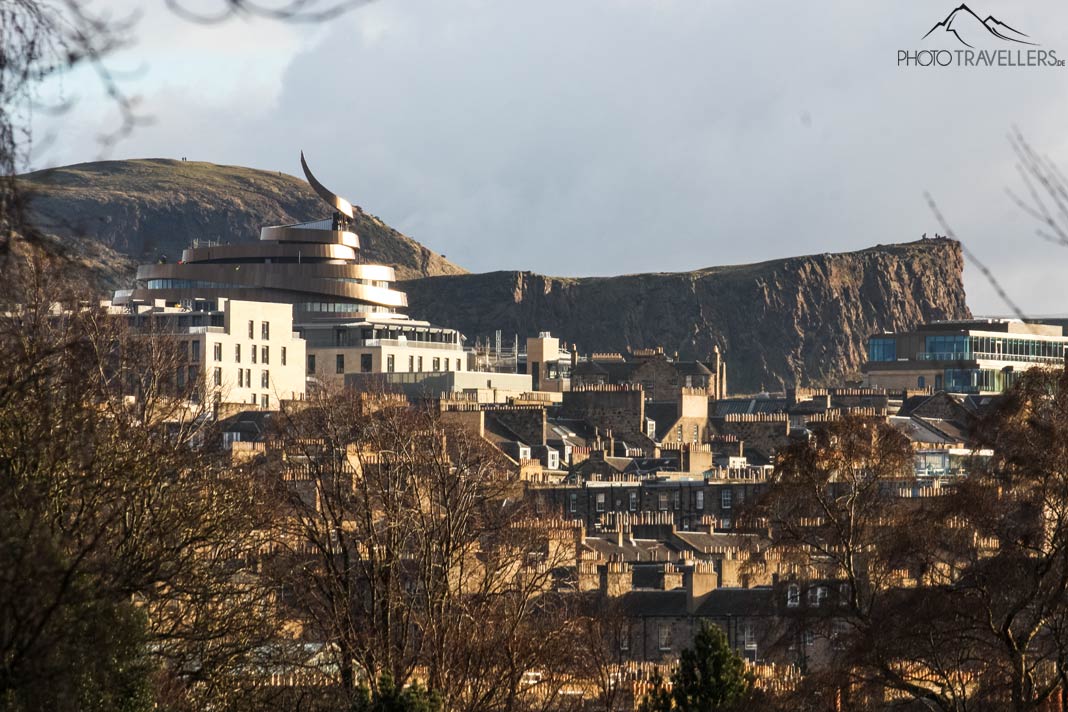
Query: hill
{"x": 794, "y": 321}
{"x": 120, "y": 213}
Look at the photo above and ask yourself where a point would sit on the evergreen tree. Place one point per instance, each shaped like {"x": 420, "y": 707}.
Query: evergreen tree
{"x": 710, "y": 677}
{"x": 391, "y": 697}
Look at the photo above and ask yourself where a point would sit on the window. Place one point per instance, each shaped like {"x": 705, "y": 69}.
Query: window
{"x": 749, "y": 637}
{"x": 663, "y": 636}
{"x": 365, "y": 363}
{"x": 572, "y": 504}
{"x": 676, "y": 499}
{"x": 633, "y": 501}
{"x": 458, "y": 364}
{"x": 420, "y": 364}
{"x": 183, "y": 349}
{"x": 217, "y": 352}
{"x": 726, "y": 496}
{"x": 265, "y": 355}
{"x": 411, "y": 364}
{"x": 793, "y": 596}
{"x": 436, "y": 364}
{"x": 389, "y": 363}
{"x": 339, "y": 363}
{"x": 248, "y": 378}
{"x": 265, "y": 330}
{"x": 283, "y": 355}
{"x": 882, "y": 348}
{"x": 237, "y": 353}
{"x": 678, "y": 433}
{"x": 810, "y": 638}
{"x": 265, "y": 379}
{"x": 253, "y": 397}
{"x": 253, "y": 351}
{"x": 662, "y": 501}
{"x": 265, "y": 401}
{"x": 699, "y": 499}
{"x": 921, "y": 382}
{"x": 179, "y": 377}
{"x": 252, "y": 330}
{"x": 311, "y": 363}
{"x": 194, "y": 353}
{"x": 696, "y": 432}
{"x": 624, "y": 641}
{"x": 600, "y": 501}
{"x": 216, "y": 376}
{"x": 843, "y": 594}
{"x": 240, "y": 378}
{"x": 838, "y": 634}
{"x": 948, "y": 347}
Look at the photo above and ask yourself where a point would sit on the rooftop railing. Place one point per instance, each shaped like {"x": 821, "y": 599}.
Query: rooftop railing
{"x": 412, "y": 343}
{"x": 986, "y": 356}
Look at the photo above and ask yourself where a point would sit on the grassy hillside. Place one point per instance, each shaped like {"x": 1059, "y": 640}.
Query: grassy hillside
{"x": 119, "y": 213}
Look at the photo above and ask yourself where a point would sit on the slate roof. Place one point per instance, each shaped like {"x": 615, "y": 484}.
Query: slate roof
{"x": 588, "y": 368}
{"x": 737, "y": 406}
{"x": 640, "y": 604}
{"x": 740, "y": 602}
{"x": 647, "y": 550}
{"x": 664, "y": 414}
{"x": 250, "y": 423}
{"x": 703, "y": 542}
{"x": 498, "y": 433}
{"x": 691, "y": 368}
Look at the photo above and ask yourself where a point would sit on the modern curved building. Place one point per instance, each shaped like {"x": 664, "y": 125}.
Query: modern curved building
{"x": 315, "y": 266}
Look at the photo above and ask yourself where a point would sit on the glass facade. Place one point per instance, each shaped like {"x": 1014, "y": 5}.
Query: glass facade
{"x": 957, "y": 347}
{"x": 882, "y": 348}
{"x": 951, "y": 347}
{"x": 339, "y": 307}
{"x": 189, "y": 284}
{"x": 975, "y": 380}
{"x": 1016, "y": 348}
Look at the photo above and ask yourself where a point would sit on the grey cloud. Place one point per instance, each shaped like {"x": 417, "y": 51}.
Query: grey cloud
{"x": 607, "y": 137}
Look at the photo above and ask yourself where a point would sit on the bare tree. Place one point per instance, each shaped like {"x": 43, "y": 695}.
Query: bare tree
{"x": 114, "y": 512}
{"x": 402, "y": 549}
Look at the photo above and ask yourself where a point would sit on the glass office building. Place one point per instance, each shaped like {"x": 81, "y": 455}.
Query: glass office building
{"x": 973, "y": 356}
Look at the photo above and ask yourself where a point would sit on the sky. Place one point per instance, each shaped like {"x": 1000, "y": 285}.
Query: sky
{"x": 601, "y": 137}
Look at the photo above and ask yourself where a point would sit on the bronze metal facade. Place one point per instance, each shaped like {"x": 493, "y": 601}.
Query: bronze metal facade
{"x": 314, "y": 266}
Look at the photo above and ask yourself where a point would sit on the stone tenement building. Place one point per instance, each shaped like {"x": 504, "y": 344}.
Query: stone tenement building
{"x": 659, "y": 376}
{"x": 687, "y": 500}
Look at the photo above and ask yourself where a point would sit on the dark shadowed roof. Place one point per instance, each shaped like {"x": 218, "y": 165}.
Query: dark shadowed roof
{"x": 758, "y": 601}
{"x": 691, "y": 368}
{"x": 250, "y": 423}
{"x": 654, "y": 603}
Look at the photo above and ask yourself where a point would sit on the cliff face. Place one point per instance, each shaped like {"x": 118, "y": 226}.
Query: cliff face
{"x": 802, "y": 320}
{"x": 142, "y": 209}
{"x": 796, "y": 321}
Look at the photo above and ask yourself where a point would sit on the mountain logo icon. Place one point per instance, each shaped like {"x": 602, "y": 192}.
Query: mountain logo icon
{"x": 970, "y": 30}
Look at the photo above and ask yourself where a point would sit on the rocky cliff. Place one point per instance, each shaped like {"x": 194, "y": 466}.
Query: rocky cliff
{"x": 795, "y": 321}
{"x": 802, "y": 320}
{"x": 120, "y": 213}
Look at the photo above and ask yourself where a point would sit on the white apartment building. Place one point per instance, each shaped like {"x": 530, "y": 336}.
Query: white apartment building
{"x": 245, "y": 352}
{"x": 380, "y": 346}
